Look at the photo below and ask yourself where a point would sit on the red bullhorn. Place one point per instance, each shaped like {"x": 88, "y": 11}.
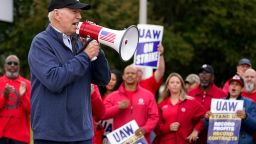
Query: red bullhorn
{"x": 123, "y": 41}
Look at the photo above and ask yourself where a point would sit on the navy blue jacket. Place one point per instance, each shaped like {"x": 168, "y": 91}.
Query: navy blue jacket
{"x": 60, "y": 97}
{"x": 248, "y": 125}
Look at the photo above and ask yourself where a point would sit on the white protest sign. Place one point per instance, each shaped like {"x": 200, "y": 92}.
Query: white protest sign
{"x": 226, "y": 106}
{"x": 6, "y": 10}
{"x": 123, "y": 133}
{"x": 224, "y": 124}
{"x": 150, "y": 36}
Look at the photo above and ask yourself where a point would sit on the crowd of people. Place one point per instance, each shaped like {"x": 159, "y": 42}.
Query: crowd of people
{"x": 71, "y": 95}
{"x": 178, "y": 118}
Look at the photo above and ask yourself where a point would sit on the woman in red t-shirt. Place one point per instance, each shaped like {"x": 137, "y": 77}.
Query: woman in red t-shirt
{"x": 181, "y": 117}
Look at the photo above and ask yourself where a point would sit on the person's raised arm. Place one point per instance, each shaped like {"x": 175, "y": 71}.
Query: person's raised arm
{"x": 159, "y": 73}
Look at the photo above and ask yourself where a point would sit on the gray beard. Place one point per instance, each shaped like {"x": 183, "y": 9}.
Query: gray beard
{"x": 12, "y": 75}
{"x": 249, "y": 87}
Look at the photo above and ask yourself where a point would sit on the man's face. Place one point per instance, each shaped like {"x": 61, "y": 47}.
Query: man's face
{"x": 235, "y": 89}
{"x": 11, "y": 67}
{"x": 250, "y": 80}
{"x": 242, "y": 68}
{"x": 67, "y": 19}
{"x": 206, "y": 79}
{"x": 130, "y": 76}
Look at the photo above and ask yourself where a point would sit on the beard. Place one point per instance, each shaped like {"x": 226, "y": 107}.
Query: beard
{"x": 249, "y": 87}
{"x": 205, "y": 85}
{"x": 12, "y": 75}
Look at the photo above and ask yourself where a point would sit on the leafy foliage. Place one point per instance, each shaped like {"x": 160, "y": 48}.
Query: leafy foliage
{"x": 220, "y": 32}
{"x": 217, "y": 32}
{"x": 28, "y": 20}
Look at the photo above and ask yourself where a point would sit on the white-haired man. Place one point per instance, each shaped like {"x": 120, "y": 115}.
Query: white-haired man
{"x": 250, "y": 84}
{"x": 61, "y": 78}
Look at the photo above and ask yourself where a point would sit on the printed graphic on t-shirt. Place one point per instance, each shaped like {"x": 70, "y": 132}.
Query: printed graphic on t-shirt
{"x": 13, "y": 100}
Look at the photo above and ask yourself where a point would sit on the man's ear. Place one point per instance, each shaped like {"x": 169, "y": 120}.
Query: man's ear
{"x": 123, "y": 77}
{"x": 4, "y": 67}
{"x": 57, "y": 15}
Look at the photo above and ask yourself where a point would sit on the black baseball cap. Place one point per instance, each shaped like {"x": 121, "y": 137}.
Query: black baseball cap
{"x": 206, "y": 67}
{"x": 244, "y": 61}
{"x": 73, "y": 4}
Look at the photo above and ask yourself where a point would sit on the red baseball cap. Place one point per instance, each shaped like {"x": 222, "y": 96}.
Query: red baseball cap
{"x": 238, "y": 79}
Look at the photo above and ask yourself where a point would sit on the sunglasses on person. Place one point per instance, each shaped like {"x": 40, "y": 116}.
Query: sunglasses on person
{"x": 12, "y": 62}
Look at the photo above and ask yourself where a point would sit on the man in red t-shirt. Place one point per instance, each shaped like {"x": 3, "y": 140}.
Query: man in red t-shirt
{"x": 250, "y": 84}
{"x": 207, "y": 89}
{"x": 154, "y": 82}
{"x": 249, "y": 91}
{"x": 205, "y": 92}
{"x": 14, "y": 104}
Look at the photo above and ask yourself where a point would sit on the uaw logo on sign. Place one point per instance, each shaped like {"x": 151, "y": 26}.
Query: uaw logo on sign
{"x": 147, "y": 54}
{"x": 126, "y": 135}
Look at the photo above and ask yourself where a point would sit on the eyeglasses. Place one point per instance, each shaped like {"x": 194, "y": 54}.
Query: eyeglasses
{"x": 12, "y": 62}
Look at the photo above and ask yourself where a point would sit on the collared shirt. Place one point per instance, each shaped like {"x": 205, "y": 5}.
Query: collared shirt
{"x": 189, "y": 113}
{"x": 66, "y": 38}
{"x": 67, "y": 41}
{"x": 205, "y": 97}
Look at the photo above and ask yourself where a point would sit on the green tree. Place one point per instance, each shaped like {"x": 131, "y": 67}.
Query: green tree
{"x": 31, "y": 18}
{"x": 219, "y": 32}
{"x": 16, "y": 37}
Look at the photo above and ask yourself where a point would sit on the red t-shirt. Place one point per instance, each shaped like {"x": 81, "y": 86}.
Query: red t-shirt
{"x": 15, "y": 111}
{"x": 205, "y": 97}
{"x": 251, "y": 96}
{"x": 151, "y": 84}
